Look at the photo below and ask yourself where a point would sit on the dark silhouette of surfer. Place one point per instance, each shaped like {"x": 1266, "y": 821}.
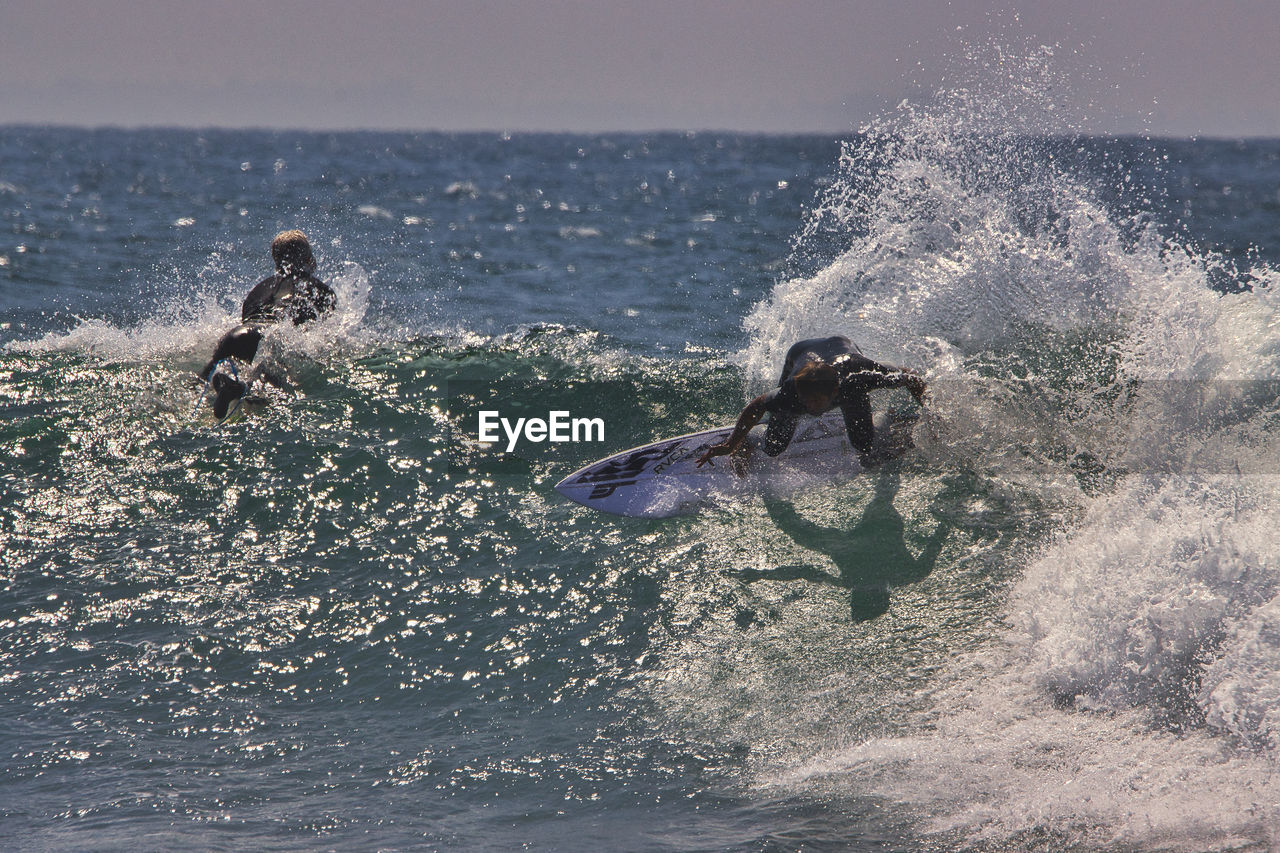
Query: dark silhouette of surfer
{"x": 818, "y": 375}
{"x": 871, "y": 557}
{"x": 293, "y": 293}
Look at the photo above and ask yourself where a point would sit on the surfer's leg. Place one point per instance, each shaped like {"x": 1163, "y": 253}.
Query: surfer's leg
{"x": 241, "y": 342}
{"x": 228, "y": 390}
{"x": 782, "y": 426}
{"x": 857, "y": 423}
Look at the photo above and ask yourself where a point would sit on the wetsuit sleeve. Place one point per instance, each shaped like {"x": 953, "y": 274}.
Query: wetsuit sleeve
{"x": 311, "y": 299}
{"x": 898, "y": 377}
{"x": 861, "y": 374}
{"x": 325, "y": 299}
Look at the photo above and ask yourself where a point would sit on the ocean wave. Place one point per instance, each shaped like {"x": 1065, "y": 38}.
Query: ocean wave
{"x": 1130, "y": 698}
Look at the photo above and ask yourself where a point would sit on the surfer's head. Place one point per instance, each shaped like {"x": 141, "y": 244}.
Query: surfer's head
{"x": 817, "y": 384}
{"x": 292, "y": 253}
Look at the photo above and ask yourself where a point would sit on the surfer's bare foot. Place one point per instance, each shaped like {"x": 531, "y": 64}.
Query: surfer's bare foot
{"x": 229, "y": 390}
{"x": 741, "y": 458}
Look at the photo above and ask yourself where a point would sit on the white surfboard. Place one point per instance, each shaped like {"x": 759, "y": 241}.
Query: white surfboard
{"x": 663, "y": 479}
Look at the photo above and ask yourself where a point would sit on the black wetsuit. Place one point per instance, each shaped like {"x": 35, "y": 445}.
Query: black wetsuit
{"x": 297, "y": 296}
{"x": 858, "y": 376}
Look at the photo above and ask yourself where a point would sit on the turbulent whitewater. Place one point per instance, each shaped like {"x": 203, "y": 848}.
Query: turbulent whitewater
{"x": 346, "y": 622}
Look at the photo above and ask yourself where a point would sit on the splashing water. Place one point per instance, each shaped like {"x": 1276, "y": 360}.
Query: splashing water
{"x": 197, "y": 318}
{"x": 1081, "y": 362}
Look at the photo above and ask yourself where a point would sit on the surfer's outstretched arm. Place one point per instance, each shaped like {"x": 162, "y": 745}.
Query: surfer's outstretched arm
{"x": 914, "y": 382}
{"x": 897, "y": 377}
{"x": 750, "y": 416}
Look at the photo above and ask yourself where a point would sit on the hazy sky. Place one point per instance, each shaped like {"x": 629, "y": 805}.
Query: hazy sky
{"x": 1161, "y": 66}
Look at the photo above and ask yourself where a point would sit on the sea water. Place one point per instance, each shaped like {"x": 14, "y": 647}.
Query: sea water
{"x": 345, "y": 622}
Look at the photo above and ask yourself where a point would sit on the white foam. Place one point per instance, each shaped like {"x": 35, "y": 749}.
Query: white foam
{"x": 1132, "y": 700}
{"x": 1002, "y": 766}
{"x": 190, "y": 324}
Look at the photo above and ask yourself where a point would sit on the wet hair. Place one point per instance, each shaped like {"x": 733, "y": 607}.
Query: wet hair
{"x": 292, "y": 253}
{"x": 817, "y": 378}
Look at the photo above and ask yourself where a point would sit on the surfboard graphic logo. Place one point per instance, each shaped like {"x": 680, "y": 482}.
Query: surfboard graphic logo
{"x": 624, "y": 470}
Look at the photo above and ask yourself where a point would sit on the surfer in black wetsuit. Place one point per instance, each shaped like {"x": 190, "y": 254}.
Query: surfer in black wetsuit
{"x": 818, "y": 375}
{"x": 293, "y": 293}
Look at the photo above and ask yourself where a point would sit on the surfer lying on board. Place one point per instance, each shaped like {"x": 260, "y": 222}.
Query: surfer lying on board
{"x": 818, "y": 375}
{"x": 293, "y": 293}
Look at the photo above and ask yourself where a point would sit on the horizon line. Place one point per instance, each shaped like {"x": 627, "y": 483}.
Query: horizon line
{"x": 512, "y": 132}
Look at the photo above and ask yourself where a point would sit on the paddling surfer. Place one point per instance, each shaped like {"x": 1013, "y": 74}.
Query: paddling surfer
{"x": 293, "y": 293}
{"x": 818, "y": 375}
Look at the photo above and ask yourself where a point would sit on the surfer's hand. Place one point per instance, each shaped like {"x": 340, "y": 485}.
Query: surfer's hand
{"x": 714, "y": 450}
{"x": 916, "y": 385}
